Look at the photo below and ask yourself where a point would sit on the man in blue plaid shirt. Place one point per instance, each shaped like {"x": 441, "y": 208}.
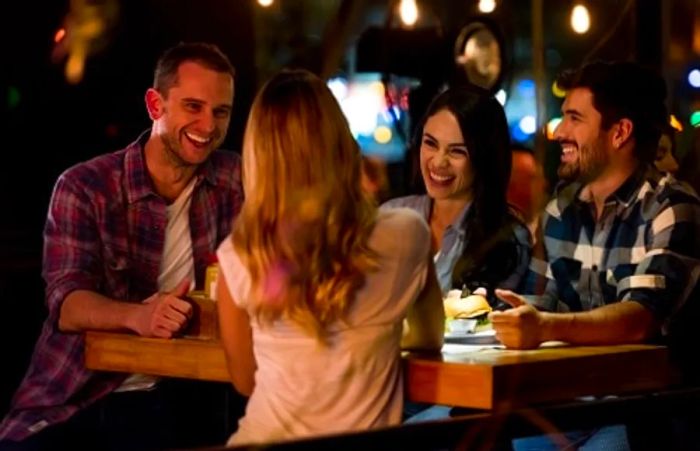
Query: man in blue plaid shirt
{"x": 621, "y": 240}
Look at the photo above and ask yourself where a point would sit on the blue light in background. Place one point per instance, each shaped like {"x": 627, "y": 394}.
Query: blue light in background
{"x": 380, "y": 129}
{"x": 518, "y": 134}
{"x": 521, "y": 104}
{"x": 694, "y": 78}
{"x": 526, "y": 88}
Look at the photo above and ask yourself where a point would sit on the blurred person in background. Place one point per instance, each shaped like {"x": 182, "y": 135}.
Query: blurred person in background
{"x": 128, "y": 234}
{"x": 689, "y": 171}
{"x": 527, "y": 188}
{"x": 375, "y": 180}
{"x": 463, "y": 150}
{"x": 665, "y": 160}
{"x": 316, "y": 282}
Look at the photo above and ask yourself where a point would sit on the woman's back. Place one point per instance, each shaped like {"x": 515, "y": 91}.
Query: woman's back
{"x": 352, "y": 380}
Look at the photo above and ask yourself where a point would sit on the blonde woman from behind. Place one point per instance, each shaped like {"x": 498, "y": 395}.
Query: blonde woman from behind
{"x": 316, "y": 281}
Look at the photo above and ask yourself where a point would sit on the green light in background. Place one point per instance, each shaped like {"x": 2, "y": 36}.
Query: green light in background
{"x": 13, "y": 97}
{"x": 695, "y": 119}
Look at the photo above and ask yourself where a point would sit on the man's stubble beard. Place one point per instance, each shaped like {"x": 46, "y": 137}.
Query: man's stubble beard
{"x": 171, "y": 152}
{"x": 591, "y": 162}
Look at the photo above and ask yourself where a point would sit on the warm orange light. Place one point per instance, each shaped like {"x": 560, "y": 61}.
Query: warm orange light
{"x": 60, "y": 34}
{"x": 580, "y": 19}
{"x": 551, "y": 127}
{"x": 382, "y": 134}
{"x": 408, "y": 11}
{"x": 675, "y": 123}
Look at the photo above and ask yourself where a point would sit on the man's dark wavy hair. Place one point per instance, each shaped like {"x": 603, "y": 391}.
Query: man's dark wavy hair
{"x": 625, "y": 90}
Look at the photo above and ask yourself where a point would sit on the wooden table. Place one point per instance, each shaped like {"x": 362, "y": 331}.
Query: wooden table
{"x": 189, "y": 358}
{"x": 485, "y": 379}
{"x": 505, "y": 379}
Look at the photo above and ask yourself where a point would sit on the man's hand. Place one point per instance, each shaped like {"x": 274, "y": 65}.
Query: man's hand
{"x": 520, "y": 327}
{"x": 164, "y": 314}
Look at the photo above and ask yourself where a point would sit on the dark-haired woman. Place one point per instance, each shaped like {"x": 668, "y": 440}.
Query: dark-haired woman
{"x": 464, "y": 159}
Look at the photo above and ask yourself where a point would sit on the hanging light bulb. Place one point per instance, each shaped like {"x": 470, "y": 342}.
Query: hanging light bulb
{"x": 487, "y": 6}
{"x": 580, "y": 19}
{"x": 409, "y": 12}
{"x": 265, "y": 3}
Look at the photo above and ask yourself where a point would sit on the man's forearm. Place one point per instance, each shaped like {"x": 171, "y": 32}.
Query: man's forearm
{"x": 622, "y": 322}
{"x": 87, "y": 310}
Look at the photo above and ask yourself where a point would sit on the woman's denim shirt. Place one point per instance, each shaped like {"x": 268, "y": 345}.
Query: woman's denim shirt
{"x": 453, "y": 241}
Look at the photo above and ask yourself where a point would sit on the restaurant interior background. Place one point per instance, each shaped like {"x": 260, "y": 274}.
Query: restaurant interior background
{"x": 74, "y": 74}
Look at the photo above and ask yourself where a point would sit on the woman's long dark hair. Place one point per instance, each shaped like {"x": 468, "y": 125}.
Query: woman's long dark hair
{"x": 490, "y": 254}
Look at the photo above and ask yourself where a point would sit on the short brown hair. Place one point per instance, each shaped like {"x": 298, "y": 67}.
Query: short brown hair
{"x": 625, "y": 90}
{"x": 208, "y": 55}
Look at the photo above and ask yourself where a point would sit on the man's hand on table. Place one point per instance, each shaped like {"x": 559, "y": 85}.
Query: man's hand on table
{"x": 163, "y": 314}
{"x": 520, "y": 327}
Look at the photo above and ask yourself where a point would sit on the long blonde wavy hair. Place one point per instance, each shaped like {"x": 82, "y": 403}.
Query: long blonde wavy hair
{"x": 303, "y": 230}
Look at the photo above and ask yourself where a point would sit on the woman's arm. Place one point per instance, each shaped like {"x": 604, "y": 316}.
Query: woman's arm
{"x": 425, "y": 320}
{"x": 237, "y": 339}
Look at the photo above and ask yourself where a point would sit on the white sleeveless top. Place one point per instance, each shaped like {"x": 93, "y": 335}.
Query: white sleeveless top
{"x": 354, "y": 383}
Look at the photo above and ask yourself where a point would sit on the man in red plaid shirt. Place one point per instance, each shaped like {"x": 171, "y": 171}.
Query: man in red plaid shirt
{"x": 128, "y": 234}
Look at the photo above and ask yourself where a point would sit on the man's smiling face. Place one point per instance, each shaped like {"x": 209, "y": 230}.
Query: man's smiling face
{"x": 584, "y": 143}
{"x": 195, "y": 114}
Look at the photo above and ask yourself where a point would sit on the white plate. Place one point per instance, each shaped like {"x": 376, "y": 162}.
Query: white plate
{"x": 460, "y": 326}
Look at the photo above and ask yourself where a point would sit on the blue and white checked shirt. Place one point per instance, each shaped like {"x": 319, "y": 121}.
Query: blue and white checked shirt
{"x": 645, "y": 247}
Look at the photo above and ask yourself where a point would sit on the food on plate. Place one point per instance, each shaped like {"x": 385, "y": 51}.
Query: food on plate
{"x": 472, "y": 306}
{"x": 468, "y": 314}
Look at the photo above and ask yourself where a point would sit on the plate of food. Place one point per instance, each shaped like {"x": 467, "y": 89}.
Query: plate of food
{"x": 466, "y": 318}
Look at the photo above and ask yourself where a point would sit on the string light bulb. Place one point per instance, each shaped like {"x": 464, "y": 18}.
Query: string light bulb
{"x": 580, "y": 19}
{"x": 409, "y": 12}
{"x": 487, "y": 6}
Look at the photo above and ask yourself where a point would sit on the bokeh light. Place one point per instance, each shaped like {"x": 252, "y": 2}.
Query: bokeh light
{"x": 695, "y": 119}
{"x": 501, "y": 96}
{"x": 75, "y": 66}
{"x": 487, "y": 6}
{"x": 675, "y": 123}
{"x": 60, "y": 34}
{"x": 526, "y": 88}
{"x": 528, "y": 124}
{"x": 557, "y": 91}
{"x": 518, "y": 135}
{"x": 382, "y": 134}
{"x": 409, "y": 12}
{"x": 694, "y": 78}
{"x": 339, "y": 87}
{"x": 580, "y": 19}
{"x": 552, "y": 126}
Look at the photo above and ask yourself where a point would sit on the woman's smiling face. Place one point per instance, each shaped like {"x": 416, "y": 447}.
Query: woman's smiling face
{"x": 444, "y": 159}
